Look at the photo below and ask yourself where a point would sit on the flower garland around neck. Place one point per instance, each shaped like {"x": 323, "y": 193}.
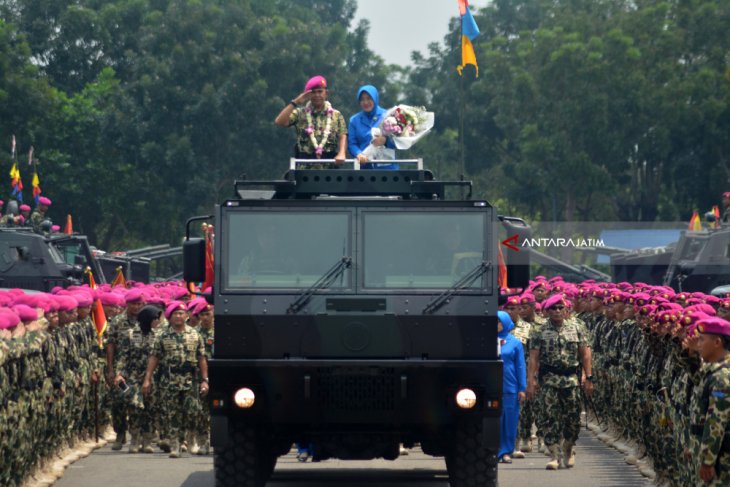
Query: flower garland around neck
{"x": 318, "y": 146}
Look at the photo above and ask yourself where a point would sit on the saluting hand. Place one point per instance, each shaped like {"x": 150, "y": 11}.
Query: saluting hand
{"x": 303, "y": 97}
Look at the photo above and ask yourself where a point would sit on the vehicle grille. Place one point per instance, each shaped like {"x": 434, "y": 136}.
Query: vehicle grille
{"x": 357, "y": 389}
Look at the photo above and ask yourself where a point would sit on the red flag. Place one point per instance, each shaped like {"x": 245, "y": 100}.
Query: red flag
{"x": 119, "y": 279}
{"x": 97, "y": 310}
{"x": 69, "y": 230}
{"x": 209, "y": 258}
{"x": 695, "y": 224}
{"x": 502, "y": 270}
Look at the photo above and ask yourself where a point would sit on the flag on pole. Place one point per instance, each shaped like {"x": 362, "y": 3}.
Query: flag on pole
{"x": 119, "y": 279}
{"x": 36, "y": 183}
{"x": 209, "y": 258}
{"x": 501, "y": 270}
{"x": 97, "y": 310}
{"x": 695, "y": 224}
{"x": 16, "y": 182}
{"x": 469, "y": 32}
{"x": 69, "y": 230}
{"x": 716, "y": 212}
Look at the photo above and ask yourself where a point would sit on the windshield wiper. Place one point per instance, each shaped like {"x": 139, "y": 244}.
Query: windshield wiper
{"x": 324, "y": 282}
{"x": 462, "y": 283}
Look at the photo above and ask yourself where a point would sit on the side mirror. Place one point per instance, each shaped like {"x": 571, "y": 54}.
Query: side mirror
{"x": 194, "y": 260}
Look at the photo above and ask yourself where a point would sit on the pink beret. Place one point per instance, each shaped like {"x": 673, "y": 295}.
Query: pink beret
{"x": 8, "y": 320}
{"x": 552, "y": 301}
{"x": 174, "y": 306}
{"x": 712, "y": 300}
{"x": 714, "y": 326}
{"x": 726, "y": 194}
{"x": 177, "y": 292}
{"x": 84, "y": 299}
{"x": 200, "y": 307}
{"x": 24, "y": 208}
{"x": 194, "y": 302}
{"x": 2, "y": 202}
{"x": 67, "y": 303}
{"x": 513, "y": 301}
{"x": 44, "y": 201}
{"x": 647, "y": 310}
{"x": 527, "y": 298}
{"x": 26, "y": 313}
{"x": 701, "y": 308}
{"x": 667, "y": 317}
{"x": 55, "y": 228}
{"x": 725, "y": 303}
{"x": 134, "y": 295}
{"x": 692, "y": 319}
{"x": 316, "y": 82}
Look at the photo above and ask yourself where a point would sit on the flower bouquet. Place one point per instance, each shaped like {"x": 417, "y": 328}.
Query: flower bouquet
{"x": 406, "y": 125}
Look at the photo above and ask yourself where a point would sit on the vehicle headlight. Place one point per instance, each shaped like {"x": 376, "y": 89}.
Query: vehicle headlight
{"x": 466, "y": 399}
{"x": 244, "y": 398}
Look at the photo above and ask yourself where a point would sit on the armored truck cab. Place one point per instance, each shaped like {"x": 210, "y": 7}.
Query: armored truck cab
{"x": 355, "y": 310}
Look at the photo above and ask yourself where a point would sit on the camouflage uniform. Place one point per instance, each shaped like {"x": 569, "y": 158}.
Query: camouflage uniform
{"x": 178, "y": 354}
{"x": 710, "y": 412}
{"x": 558, "y": 376}
{"x": 134, "y": 349}
{"x": 522, "y": 332}
{"x": 119, "y": 410}
{"x": 203, "y": 429}
{"x": 36, "y": 218}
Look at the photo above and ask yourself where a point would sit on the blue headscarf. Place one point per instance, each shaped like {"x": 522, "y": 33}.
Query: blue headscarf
{"x": 507, "y": 324}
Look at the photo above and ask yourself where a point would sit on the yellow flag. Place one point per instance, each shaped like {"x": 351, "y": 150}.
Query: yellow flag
{"x": 467, "y": 55}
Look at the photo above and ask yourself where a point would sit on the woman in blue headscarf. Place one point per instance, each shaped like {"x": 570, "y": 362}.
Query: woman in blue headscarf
{"x": 361, "y": 125}
{"x": 514, "y": 384}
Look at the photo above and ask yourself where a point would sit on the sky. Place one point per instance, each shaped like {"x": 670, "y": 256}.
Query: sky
{"x": 398, "y": 27}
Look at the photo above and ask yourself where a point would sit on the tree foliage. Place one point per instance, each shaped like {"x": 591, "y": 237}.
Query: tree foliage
{"x": 142, "y": 112}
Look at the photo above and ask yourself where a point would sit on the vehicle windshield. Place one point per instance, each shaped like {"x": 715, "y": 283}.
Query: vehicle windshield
{"x": 284, "y": 249}
{"x": 421, "y": 250}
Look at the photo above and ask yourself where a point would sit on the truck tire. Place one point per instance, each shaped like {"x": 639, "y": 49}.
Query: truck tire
{"x": 245, "y": 462}
{"x": 468, "y": 463}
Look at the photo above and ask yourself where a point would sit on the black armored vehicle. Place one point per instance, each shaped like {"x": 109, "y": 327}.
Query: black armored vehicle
{"x": 355, "y": 310}
{"x": 42, "y": 262}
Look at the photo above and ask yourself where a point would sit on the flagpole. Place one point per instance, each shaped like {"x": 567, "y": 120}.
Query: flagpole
{"x": 461, "y": 111}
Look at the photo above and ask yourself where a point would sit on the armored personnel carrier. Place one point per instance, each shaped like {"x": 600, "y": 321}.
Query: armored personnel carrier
{"x": 42, "y": 262}
{"x": 355, "y": 310}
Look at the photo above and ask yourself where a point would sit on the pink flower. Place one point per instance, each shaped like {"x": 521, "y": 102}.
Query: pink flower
{"x": 319, "y": 151}
{"x": 309, "y": 130}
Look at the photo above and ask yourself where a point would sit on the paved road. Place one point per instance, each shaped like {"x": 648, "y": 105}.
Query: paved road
{"x": 596, "y": 466}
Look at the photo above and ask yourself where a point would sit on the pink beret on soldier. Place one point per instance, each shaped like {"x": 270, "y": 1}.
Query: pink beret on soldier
{"x": 714, "y": 326}
{"x": 25, "y": 312}
{"x": 66, "y": 303}
{"x": 552, "y": 301}
{"x": 512, "y": 301}
{"x": 174, "y": 306}
{"x": 726, "y": 194}
{"x": 44, "y": 201}
{"x": 24, "y": 207}
{"x": 315, "y": 82}
{"x": 134, "y": 295}
{"x": 527, "y": 298}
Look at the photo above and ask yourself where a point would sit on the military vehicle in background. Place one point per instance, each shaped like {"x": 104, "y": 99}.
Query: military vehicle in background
{"x": 355, "y": 310}
{"x": 32, "y": 261}
{"x": 147, "y": 264}
{"x": 698, "y": 261}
